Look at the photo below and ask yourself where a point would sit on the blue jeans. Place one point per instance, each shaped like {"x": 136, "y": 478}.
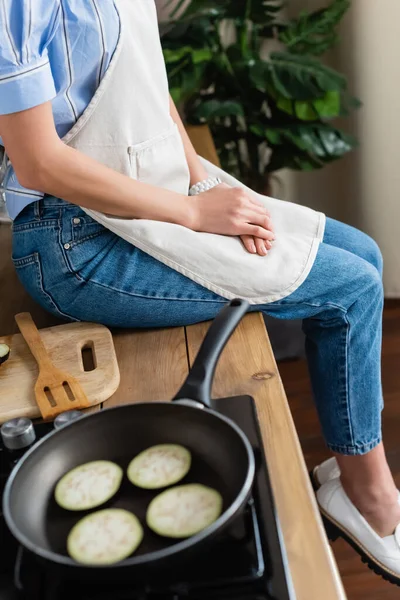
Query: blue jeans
{"x": 78, "y": 270}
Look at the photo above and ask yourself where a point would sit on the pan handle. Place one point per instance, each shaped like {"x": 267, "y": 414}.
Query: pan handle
{"x": 199, "y": 381}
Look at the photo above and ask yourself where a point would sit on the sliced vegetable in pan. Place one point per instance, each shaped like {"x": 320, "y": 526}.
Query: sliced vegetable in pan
{"x": 88, "y": 485}
{"x": 105, "y": 537}
{"x": 159, "y": 466}
{"x": 4, "y": 353}
{"x": 184, "y": 510}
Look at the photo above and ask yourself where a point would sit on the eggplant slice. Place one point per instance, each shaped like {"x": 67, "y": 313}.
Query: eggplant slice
{"x": 105, "y": 537}
{"x": 4, "y": 353}
{"x": 183, "y": 511}
{"x": 159, "y": 466}
{"x": 88, "y": 485}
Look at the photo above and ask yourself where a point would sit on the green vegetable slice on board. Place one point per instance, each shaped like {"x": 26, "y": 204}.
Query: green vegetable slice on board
{"x": 4, "y": 353}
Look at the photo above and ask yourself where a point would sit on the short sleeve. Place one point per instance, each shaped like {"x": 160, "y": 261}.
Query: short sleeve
{"x": 26, "y": 30}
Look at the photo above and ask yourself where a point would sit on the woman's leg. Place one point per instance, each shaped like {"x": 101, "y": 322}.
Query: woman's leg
{"x": 341, "y": 306}
{"x": 75, "y": 268}
{"x": 369, "y": 484}
{"x": 366, "y": 478}
{"x": 343, "y": 341}
{"x": 353, "y": 240}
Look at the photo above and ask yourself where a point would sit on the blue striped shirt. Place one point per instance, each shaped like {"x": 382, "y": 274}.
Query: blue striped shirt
{"x": 54, "y": 50}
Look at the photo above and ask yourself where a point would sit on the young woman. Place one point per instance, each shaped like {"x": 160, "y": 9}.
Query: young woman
{"x": 110, "y": 224}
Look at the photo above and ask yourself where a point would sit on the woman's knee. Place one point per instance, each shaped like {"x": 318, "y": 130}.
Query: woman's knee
{"x": 355, "y": 241}
{"x": 370, "y": 282}
{"x": 372, "y": 253}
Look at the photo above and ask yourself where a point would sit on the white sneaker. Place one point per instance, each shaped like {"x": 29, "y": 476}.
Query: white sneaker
{"x": 324, "y": 472}
{"x": 342, "y": 519}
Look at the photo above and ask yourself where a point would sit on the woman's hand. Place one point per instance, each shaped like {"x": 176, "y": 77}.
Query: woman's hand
{"x": 231, "y": 211}
{"x": 256, "y": 245}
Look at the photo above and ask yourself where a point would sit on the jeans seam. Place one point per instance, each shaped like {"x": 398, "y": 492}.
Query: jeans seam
{"x": 25, "y": 261}
{"x": 347, "y": 360}
{"x": 73, "y": 243}
{"x": 134, "y": 295}
{"x": 355, "y": 448}
{"x": 124, "y": 292}
{"x": 285, "y": 302}
{"x": 41, "y": 286}
{"x": 33, "y": 259}
{"x": 45, "y": 224}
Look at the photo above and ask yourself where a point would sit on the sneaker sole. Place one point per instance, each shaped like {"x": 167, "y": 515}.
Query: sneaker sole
{"x": 334, "y": 530}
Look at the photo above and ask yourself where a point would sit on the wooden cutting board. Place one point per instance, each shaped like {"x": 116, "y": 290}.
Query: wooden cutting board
{"x": 64, "y": 344}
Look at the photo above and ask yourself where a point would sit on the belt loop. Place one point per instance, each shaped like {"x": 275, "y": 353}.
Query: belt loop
{"x": 38, "y": 209}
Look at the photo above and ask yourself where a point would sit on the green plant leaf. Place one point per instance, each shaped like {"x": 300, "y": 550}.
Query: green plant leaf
{"x": 201, "y": 55}
{"x": 259, "y": 75}
{"x": 215, "y": 108}
{"x": 301, "y": 77}
{"x": 173, "y": 55}
{"x": 176, "y": 94}
{"x": 258, "y": 12}
{"x": 197, "y": 8}
{"x": 258, "y": 129}
{"x": 283, "y": 102}
{"x": 327, "y": 107}
{"x": 315, "y": 143}
{"x": 314, "y": 33}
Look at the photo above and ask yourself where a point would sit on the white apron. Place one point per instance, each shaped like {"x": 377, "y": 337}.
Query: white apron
{"x": 127, "y": 126}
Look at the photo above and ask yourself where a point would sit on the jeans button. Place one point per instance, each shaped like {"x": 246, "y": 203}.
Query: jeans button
{"x": 76, "y": 221}
{"x": 67, "y": 246}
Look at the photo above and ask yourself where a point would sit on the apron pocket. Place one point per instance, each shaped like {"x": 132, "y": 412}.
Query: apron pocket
{"x": 161, "y": 161}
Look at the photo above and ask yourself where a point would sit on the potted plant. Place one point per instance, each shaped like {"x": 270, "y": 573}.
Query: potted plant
{"x": 266, "y": 109}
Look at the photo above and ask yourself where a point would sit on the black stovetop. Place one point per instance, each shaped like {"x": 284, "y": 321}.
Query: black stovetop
{"x": 247, "y": 563}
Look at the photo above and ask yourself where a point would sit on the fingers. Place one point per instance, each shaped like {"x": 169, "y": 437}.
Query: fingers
{"x": 257, "y": 208}
{"x": 256, "y": 245}
{"x": 253, "y": 200}
{"x": 259, "y": 203}
{"x": 257, "y": 231}
{"x": 270, "y": 224}
{"x": 258, "y": 219}
{"x": 264, "y": 223}
{"x": 249, "y": 243}
{"x": 262, "y": 246}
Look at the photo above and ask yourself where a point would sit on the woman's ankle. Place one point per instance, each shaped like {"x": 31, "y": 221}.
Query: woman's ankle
{"x": 379, "y": 505}
{"x": 369, "y": 484}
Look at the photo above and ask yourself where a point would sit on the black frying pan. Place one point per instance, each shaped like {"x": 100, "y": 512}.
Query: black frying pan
{"x": 222, "y": 458}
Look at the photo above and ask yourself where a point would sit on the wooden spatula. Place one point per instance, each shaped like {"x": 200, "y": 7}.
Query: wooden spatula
{"x": 55, "y": 390}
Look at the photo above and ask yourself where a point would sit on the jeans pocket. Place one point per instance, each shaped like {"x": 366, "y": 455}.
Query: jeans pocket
{"x": 30, "y": 274}
{"x": 84, "y": 228}
{"x": 83, "y": 255}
